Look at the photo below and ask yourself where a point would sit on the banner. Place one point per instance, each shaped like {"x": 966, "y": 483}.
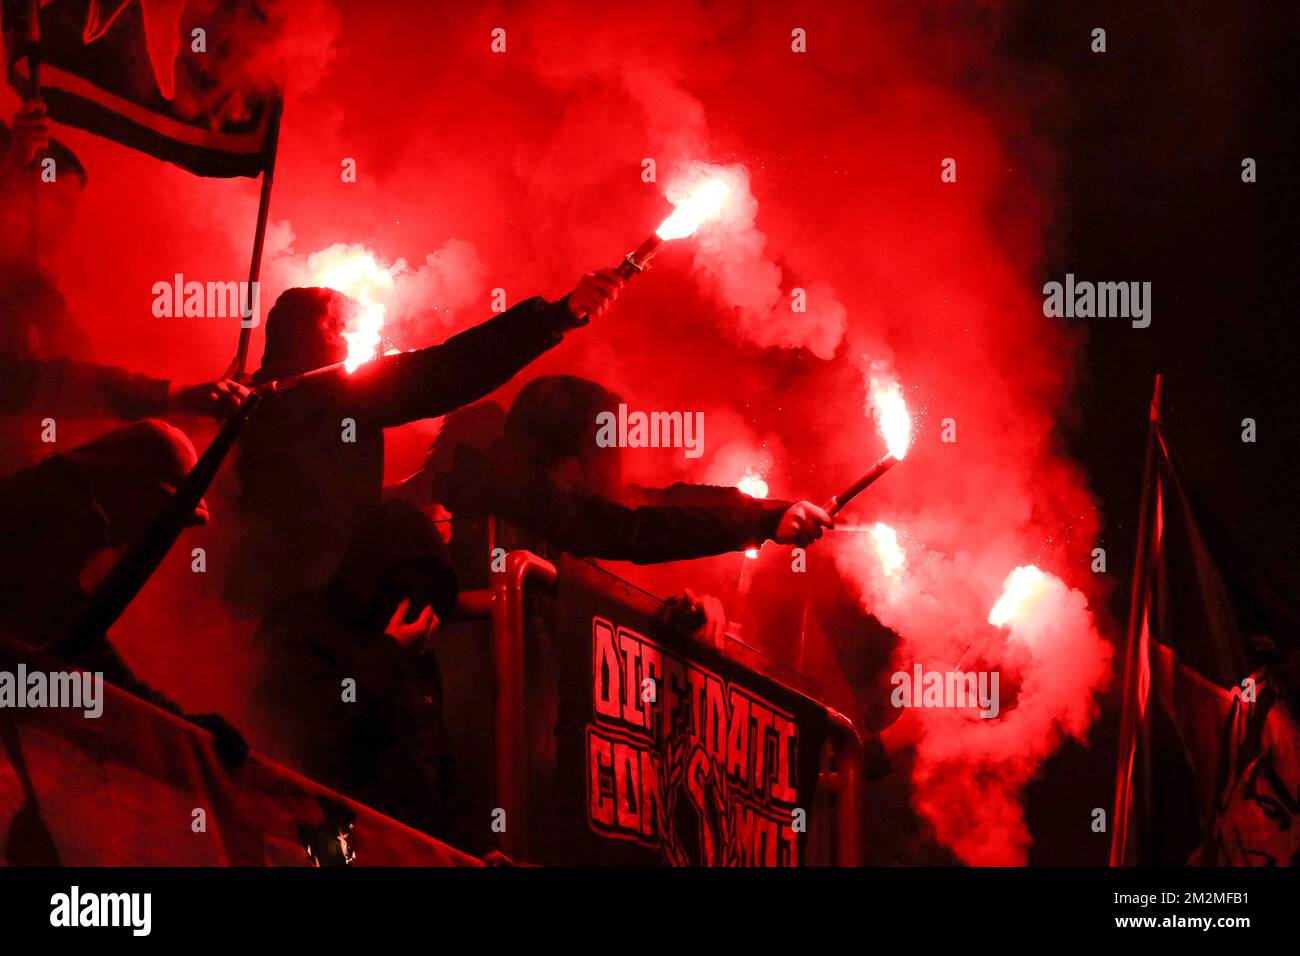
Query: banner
{"x": 185, "y": 81}
{"x": 665, "y": 752}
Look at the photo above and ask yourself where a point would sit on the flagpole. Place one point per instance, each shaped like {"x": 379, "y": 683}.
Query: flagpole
{"x": 1120, "y": 850}
{"x": 34, "y": 93}
{"x": 141, "y": 557}
{"x": 240, "y": 361}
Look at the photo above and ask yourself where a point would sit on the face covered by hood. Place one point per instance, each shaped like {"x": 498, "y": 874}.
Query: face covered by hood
{"x": 553, "y": 423}
{"x": 304, "y": 331}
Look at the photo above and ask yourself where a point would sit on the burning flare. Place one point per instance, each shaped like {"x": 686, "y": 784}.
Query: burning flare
{"x": 701, "y": 204}
{"x": 354, "y": 271}
{"x": 754, "y": 486}
{"x": 892, "y": 557}
{"x": 885, "y": 397}
{"x": 1021, "y": 589}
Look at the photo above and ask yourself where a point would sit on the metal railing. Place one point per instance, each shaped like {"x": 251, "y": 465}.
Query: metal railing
{"x": 504, "y": 604}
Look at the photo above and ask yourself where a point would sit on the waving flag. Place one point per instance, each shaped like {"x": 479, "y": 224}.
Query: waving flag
{"x": 1209, "y": 764}
{"x": 176, "y": 79}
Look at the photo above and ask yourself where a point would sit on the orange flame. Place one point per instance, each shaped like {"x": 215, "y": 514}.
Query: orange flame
{"x": 1021, "y": 589}
{"x": 354, "y": 271}
{"x": 893, "y": 421}
{"x": 703, "y": 203}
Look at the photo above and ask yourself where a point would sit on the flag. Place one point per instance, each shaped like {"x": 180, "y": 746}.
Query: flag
{"x": 1209, "y": 763}
{"x": 186, "y": 81}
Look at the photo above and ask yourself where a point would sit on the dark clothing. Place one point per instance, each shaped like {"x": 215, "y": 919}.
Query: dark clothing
{"x": 388, "y": 747}
{"x": 385, "y": 745}
{"x": 32, "y": 391}
{"x": 35, "y": 324}
{"x": 783, "y": 607}
{"x": 79, "y": 389}
{"x": 301, "y": 485}
{"x": 42, "y": 368}
{"x": 55, "y": 516}
{"x": 674, "y": 524}
{"x": 52, "y": 525}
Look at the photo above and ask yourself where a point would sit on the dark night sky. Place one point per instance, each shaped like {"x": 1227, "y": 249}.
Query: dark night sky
{"x": 1152, "y": 191}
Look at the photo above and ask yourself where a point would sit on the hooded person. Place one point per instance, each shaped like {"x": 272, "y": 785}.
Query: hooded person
{"x": 476, "y": 426}
{"x": 313, "y": 456}
{"x": 547, "y": 472}
{"x": 62, "y": 514}
{"x": 349, "y": 690}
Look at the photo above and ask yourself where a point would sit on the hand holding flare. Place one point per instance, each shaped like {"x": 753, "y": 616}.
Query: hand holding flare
{"x": 703, "y": 204}
{"x": 895, "y": 426}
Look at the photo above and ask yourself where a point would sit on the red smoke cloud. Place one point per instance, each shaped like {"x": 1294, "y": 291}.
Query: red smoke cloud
{"x": 521, "y": 170}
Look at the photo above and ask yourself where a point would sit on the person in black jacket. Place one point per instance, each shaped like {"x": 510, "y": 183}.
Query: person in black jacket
{"x": 546, "y": 473}
{"x": 85, "y": 390}
{"x": 312, "y": 457}
{"x": 350, "y": 693}
{"x": 59, "y": 515}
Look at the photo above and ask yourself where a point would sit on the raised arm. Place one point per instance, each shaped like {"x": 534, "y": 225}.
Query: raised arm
{"x": 597, "y": 527}
{"x": 431, "y": 382}
{"x": 85, "y": 390}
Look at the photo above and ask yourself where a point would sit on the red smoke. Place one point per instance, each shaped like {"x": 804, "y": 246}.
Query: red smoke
{"x": 521, "y": 170}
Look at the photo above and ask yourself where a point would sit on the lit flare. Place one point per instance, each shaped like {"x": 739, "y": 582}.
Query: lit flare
{"x": 753, "y": 485}
{"x": 892, "y": 556}
{"x": 701, "y": 204}
{"x": 885, "y": 397}
{"x": 1021, "y": 589}
{"x": 357, "y": 273}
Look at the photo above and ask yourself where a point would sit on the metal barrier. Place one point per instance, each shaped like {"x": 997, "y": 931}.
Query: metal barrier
{"x": 515, "y": 743}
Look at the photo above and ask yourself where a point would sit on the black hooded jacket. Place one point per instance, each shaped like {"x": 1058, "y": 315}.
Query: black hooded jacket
{"x": 312, "y": 457}
{"x": 652, "y": 525}
{"x": 379, "y": 739}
